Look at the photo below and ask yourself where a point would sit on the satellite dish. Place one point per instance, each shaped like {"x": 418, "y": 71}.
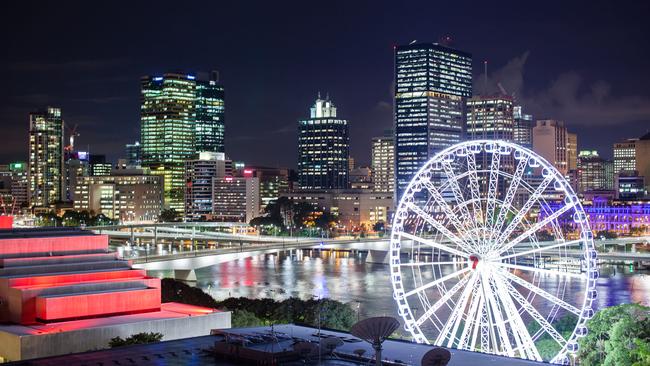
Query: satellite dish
{"x": 436, "y": 357}
{"x": 375, "y": 331}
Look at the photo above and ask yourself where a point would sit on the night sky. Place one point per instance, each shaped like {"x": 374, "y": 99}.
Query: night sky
{"x": 586, "y": 63}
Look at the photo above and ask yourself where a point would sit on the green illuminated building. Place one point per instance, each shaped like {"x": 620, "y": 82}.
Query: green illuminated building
{"x": 181, "y": 115}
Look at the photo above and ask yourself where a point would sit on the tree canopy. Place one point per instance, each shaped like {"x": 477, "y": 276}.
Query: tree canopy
{"x": 618, "y": 335}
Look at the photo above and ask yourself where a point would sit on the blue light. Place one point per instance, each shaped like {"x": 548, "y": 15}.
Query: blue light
{"x": 190, "y": 77}
{"x": 157, "y": 78}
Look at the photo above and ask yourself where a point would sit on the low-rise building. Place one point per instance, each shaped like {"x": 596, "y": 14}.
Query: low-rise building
{"x": 355, "y": 208}
{"x": 235, "y": 199}
{"x": 126, "y": 194}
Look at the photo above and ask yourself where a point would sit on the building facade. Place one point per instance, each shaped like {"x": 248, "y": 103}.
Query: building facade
{"x": 76, "y": 165}
{"x": 630, "y": 186}
{"x": 625, "y": 156}
{"x": 323, "y": 148}
{"x": 198, "y": 184}
{"x": 591, "y": 172}
{"x": 235, "y": 199}
{"x": 490, "y": 118}
{"x": 571, "y": 151}
{"x": 46, "y": 157}
{"x": 383, "y": 163}
{"x": 523, "y": 131}
{"x": 355, "y": 208}
{"x": 432, "y": 83}
{"x": 550, "y": 141}
{"x": 272, "y": 181}
{"x": 210, "y": 113}
{"x": 130, "y": 196}
{"x": 133, "y": 154}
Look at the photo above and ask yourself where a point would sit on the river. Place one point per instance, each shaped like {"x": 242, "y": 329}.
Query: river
{"x": 348, "y": 278}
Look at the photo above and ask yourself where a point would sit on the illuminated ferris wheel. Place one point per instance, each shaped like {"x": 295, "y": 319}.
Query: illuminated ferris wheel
{"x": 479, "y": 259}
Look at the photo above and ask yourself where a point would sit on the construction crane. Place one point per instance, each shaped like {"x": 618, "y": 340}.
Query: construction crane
{"x": 72, "y": 132}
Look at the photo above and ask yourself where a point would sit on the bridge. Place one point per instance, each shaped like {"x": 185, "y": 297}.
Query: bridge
{"x": 201, "y": 245}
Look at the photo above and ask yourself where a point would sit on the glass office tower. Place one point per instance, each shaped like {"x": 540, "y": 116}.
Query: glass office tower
{"x": 210, "y": 121}
{"x": 432, "y": 83}
{"x": 323, "y": 148}
{"x": 168, "y": 130}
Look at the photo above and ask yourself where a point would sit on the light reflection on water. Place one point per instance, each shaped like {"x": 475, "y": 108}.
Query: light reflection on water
{"x": 348, "y": 278}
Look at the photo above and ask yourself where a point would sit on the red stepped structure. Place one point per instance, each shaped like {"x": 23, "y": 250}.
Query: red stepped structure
{"x": 68, "y": 280}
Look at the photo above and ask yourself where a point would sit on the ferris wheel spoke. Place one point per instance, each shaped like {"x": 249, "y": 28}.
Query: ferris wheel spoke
{"x": 474, "y": 188}
{"x": 495, "y": 313}
{"x": 456, "y": 312}
{"x": 440, "y": 227}
{"x": 533, "y": 229}
{"x": 510, "y": 195}
{"x": 540, "y": 249}
{"x": 525, "y": 343}
{"x": 436, "y": 282}
{"x": 492, "y": 190}
{"x": 539, "y": 318}
{"x": 419, "y": 264}
{"x": 542, "y": 271}
{"x": 441, "y": 301}
{"x": 467, "y": 220}
{"x": 472, "y": 315}
{"x": 477, "y": 322}
{"x": 517, "y": 220}
{"x": 540, "y": 292}
{"x": 462, "y": 306}
{"x": 434, "y": 244}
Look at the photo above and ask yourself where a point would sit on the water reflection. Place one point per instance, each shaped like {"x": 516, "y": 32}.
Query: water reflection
{"x": 346, "y": 277}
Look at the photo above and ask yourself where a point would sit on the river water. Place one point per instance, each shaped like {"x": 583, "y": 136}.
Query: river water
{"x": 347, "y": 277}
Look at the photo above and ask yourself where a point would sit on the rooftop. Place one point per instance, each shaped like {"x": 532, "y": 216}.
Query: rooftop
{"x": 262, "y": 341}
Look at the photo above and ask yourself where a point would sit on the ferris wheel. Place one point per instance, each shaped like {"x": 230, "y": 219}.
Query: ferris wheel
{"x": 479, "y": 259}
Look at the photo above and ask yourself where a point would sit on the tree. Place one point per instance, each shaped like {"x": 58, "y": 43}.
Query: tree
{"x": 138, "y": 338}
{"x": 168, "y": 215}
{"x": 243, "y": 318}
{"x": 606, "y": 234}
{"x": 379, "y": 226}
{"x": 618, "y": 335}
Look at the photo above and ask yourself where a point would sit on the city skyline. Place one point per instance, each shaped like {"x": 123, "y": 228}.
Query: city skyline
{"x": 268, "y": 82}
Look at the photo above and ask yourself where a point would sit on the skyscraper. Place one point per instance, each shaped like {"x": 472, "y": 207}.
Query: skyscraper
{"x": 383, "y": 162}
{"x": 550, "y": 141}
{"x": 168, "y": 135}
{"x": 198, "y": 183}
{"x": 490, "y": 118}
{"x": 181, "y": 115}
{"x": 45, "y": 157}
{"x": 523, "y": 127}
{"x": 210, "y": 121}
{"x": 323, "y": 148}
{"x": 432, "y": 83}
{"x": 591, "y": 171}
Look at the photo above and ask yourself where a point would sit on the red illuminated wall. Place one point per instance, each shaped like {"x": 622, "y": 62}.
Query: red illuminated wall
{"x": 53, "y": 244}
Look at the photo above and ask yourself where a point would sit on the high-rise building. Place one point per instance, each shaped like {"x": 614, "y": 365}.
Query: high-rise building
{"x": 591, "y": 171}
{"x": 210, "y": 116}
{"x": 45, "y": 157}
{"x": 610, "y": 179}
{"x": 235, "y": 199}
{"x": 642, "y": 152}
{"x": 625, "y": 156}
{"x": 323, "y": 148}
{"x": 168, "y": 135}
{"x": 490, "y": 118}
{"x": 127, "y": 195}
{"x": 19, "y": 184}
{"x": 432, "y": 83}
{"x": 571, "y": 151}
{"x": 523, "y": 134}
{"x": 133, "y": 154}
{"x": 361, "y": 178}
{"x": 198, "y": 183}
{"x": 383, "y": 162}
{"x": 76, "y": 165}
{"x": 550, "y": 141}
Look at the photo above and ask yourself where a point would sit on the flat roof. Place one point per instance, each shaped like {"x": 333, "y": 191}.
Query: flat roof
{"x": 194, "y": 351}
